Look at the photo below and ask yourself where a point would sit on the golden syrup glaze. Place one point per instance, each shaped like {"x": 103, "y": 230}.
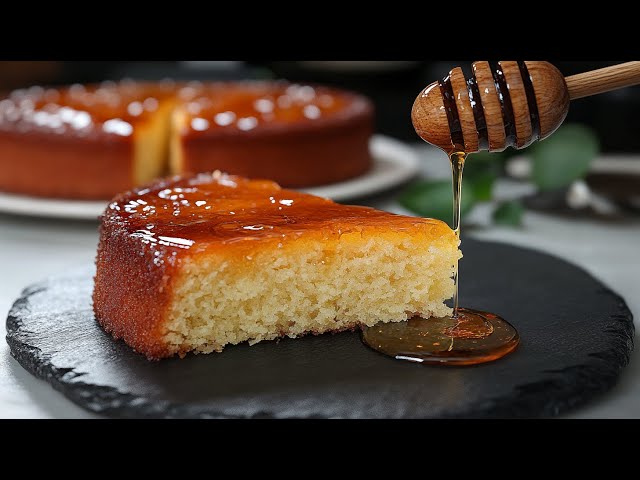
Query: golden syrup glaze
{"x": 221, "y": 108}
{"x": 216, "y": 210}
{"x": 91, "y": 112}
{"x": 111, "y": 109}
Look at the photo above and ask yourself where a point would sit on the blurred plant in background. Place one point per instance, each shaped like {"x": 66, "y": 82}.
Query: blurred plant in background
{"x": 552, "y": 165}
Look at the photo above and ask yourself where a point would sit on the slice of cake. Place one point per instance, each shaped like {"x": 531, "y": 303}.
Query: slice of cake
{"x": 197, "y": 263}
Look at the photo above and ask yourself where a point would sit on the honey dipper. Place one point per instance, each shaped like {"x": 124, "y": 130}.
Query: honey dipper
{"x": 508, "y": 104}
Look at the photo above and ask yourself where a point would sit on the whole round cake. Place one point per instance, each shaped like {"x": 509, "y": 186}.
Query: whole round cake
{"x": 90, "y": 142}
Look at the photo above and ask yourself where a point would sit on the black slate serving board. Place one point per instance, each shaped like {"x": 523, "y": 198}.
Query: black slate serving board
{"x": 576, "y": 334}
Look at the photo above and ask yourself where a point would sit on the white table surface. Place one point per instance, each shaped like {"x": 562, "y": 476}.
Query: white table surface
{"x": 31, "y": 249}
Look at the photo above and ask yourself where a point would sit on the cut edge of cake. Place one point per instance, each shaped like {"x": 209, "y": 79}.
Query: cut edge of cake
{"x": 313, "y": 286}
{"x": 176, "y": 155}
{"x": 151, "y": 145}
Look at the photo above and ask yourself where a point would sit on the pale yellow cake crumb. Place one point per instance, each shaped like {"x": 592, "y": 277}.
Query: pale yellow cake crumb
{"x": 310, "y": 285}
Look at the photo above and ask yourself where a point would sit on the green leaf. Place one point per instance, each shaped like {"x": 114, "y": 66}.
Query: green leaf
{"x": 480, "y": 172}
{"x": 493, "y": 158}
{"x": 564, "y": 157}
{"x": 481, "y": 184}
{"x": 509, "y": 213}
{"x": 480, "y": 163}
{"x": 434, "y": 199}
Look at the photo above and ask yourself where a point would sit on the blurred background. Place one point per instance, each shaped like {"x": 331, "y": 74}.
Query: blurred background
{"x": 589, "y": 167}
{"x": 392, "y": 85}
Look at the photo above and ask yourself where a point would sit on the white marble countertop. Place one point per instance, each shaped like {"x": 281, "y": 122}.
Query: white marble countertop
{"x": 32, "y": 248}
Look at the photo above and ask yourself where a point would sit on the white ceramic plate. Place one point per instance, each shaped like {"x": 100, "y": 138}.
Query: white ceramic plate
{"x": 618, "y": 163}
{"x": 393, "y": 164}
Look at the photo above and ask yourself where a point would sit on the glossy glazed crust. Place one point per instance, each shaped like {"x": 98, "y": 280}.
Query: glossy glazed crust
{"x": 300, "y": 155}
{"x": 296, "y": 135}
{"x": 131, "y": 293}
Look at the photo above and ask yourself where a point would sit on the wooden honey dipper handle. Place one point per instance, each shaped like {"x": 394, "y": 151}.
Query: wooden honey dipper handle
{"x": 603, "y": 80}
{"x": 507, "y": 104}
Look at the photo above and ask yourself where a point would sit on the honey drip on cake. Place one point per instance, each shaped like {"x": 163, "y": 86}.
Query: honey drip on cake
{"x": 467, "y": 337}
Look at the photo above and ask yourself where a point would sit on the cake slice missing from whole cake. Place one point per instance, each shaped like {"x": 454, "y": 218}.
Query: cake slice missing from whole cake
{"x": 91, "y": 141}
{"x": 197, "y": 263}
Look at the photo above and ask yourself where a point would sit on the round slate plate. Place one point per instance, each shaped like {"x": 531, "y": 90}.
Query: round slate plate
{"x": 576, "y": 337}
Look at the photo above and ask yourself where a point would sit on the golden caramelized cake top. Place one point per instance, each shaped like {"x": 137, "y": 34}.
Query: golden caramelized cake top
{"x": 111, "y": 109}
{"x": 216, "y": 210}
{"x": 102, "y": 110}
{"x": 224, "y": 107}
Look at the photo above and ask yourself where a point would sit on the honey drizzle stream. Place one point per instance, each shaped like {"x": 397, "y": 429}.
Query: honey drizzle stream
{"x": 467, "y": 337}
{"x": 457, "y": 166}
